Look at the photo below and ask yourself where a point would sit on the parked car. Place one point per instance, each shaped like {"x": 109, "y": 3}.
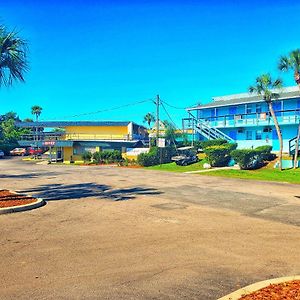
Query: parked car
{"x": 186, "y": 156}
{"x": 34, "y": 151}
{"x": 18, "y": 151}
{"x": 1, "y": 154}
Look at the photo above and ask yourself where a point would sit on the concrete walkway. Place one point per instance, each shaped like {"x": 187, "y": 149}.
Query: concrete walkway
{"x": 213, "y": 169}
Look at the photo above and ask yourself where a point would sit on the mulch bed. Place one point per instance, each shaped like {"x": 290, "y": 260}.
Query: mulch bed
{"x": 9, "y": 199}
{"x": 287, "y": 290}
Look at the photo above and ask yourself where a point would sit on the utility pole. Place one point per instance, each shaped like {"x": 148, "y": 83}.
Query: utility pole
{"x": 157, "y": 117}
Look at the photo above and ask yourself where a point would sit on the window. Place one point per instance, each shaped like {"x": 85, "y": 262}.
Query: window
{"x": 248, "y": 135}
{"x": 78, "y": 150}
{"x": 248, "y": 109}
{"x": 258, "y": 108}
{"x": 258, "y": 135}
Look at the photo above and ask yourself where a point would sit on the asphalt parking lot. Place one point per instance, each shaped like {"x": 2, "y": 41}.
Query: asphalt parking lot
{"x": 119, "y": 233}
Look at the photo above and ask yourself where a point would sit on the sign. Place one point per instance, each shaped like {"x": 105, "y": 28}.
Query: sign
{"x": 161, "y": 143}
{"x": 49, "y": 143}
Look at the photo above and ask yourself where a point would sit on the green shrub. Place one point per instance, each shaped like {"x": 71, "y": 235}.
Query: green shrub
{"x": 156, "y": 156}
{"x": 265, "y": 152}
{"x": 107, "y": 156}
{"x": 128, "y": 162}
{"x": 209, "y": 143}
{"x": 147, "y": 159}
{"x": 219, "y": 155}
{"x": 248, "y": 159}
{"x": 87, "y": 156}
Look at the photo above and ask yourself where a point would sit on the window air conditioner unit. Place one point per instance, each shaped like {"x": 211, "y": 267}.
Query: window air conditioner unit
{"x": 238, "y": 117}
{"x": 267, "y": 129}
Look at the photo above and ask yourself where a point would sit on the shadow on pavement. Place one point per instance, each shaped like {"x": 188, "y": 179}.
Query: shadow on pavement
{"x": 52, "y": 192}
{"x": 28, "y": 175}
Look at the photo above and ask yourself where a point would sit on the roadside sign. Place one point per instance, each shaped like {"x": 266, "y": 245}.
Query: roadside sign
{"x": 161, "y": 143}
{"x": 49, "y": 143}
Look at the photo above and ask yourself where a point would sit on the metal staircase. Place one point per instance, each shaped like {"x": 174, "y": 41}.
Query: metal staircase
{"x": 207, "y": 131}
{"x": 293, "y": 142}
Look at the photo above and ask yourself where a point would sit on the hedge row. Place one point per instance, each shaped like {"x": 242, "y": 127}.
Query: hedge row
{"x": 156, "y": 156}
{"x": 107, "y": 156}
{"x": 219, "y": 154}
{"x": 249, "y": 159}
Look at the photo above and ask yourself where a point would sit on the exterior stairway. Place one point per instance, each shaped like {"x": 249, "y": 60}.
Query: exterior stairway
{"x": 209, "y": 132}
{"x": 293, "y": 142}
{"x": 292, "y": 146}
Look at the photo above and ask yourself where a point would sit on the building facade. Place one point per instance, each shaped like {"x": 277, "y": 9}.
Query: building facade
{"x": 69, "y": 140}
{"x": 245, "y": 119}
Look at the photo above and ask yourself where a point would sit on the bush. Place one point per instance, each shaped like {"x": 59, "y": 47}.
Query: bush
{"x": 209, "y": 143}
{"x": 155, "y": 156}
{"x": 219, "y": 155}
{"x": 265, "y": 152}
{"x": 107, "y": 156}
{"x": 248, "y": 159}
{"x": 128, "y": 162}
{"x": 87, "y": 156}
{"x": 147, "y": 159}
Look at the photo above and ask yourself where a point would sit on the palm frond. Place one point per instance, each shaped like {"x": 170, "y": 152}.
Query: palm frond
{"x": 264, "y": 86}
{"x": 284, "y": 63}
{"x": 252, "y": 89}
{"x": 13, "y": 57}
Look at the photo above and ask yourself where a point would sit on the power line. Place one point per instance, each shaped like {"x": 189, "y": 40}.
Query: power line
{"x": 176, "y": 107}
{"x": 169, "y": 116}
{"x": 107, "y": 109}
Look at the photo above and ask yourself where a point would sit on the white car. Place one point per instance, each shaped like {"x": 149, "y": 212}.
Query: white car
{"x": 1, "y": 154}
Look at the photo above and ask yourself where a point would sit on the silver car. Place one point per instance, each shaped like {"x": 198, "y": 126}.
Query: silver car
{"x": 1, "y": 154}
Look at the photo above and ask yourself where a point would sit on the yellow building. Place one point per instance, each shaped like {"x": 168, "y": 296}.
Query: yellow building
{"x": 70, "y": 139}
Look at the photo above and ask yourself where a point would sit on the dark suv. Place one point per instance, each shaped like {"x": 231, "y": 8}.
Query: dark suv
{"x": 186, "y": 156}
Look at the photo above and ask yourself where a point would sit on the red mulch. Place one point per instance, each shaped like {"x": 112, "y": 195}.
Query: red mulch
{"x": 287, "y": 290}
{"x": 8, "y": 199}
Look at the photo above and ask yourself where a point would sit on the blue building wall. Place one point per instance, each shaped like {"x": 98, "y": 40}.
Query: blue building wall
{"x": 250, "y": 124}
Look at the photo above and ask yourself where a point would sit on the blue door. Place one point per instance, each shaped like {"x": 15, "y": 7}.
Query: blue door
{"x": 277, "y": 107}
{"x": 212, "y": 114}
{"x": 275, "y": 141}
{"x": 232, "y": 134}
{"x": 232, "y": 112}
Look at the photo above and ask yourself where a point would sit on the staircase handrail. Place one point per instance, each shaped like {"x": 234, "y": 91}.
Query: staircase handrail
{"x": 219, "y": 132}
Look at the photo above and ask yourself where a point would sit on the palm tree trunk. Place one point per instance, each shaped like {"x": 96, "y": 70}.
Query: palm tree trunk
{"x": 298, "y": 135}
{"x": 297, "y": 148}
{"x": 278, "y": 133}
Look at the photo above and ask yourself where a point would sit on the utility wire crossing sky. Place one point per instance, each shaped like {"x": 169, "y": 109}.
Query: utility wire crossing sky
{"x": 91, "y": 60}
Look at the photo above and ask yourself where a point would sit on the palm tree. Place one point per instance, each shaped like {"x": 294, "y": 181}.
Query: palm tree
{"x": 149, "y": 118}
{"x": 286, "y": 63}
{"x": 291, "y": 62}
{"x": 13, "y": 58}
{"x": 36, "y": 110}
{"x": 264, "y": 86}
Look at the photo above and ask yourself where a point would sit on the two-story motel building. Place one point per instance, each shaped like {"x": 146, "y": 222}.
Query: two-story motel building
{"x": 245, "y": 119}
{"x": 76, "y": 137}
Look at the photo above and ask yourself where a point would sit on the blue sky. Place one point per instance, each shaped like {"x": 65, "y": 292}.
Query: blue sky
{"x": 94, "y": 55}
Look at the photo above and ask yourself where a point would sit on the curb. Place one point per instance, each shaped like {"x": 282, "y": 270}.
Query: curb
{"x": 6, "y": 210}
{"x": 257, "y": 286}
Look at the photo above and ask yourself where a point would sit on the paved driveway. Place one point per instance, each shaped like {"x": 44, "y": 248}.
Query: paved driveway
{"x": 118, "y": 233}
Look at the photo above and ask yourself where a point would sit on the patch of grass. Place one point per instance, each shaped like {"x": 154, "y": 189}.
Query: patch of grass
{"x": 172, "y": 167}
{"x": 268, "y": 174}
